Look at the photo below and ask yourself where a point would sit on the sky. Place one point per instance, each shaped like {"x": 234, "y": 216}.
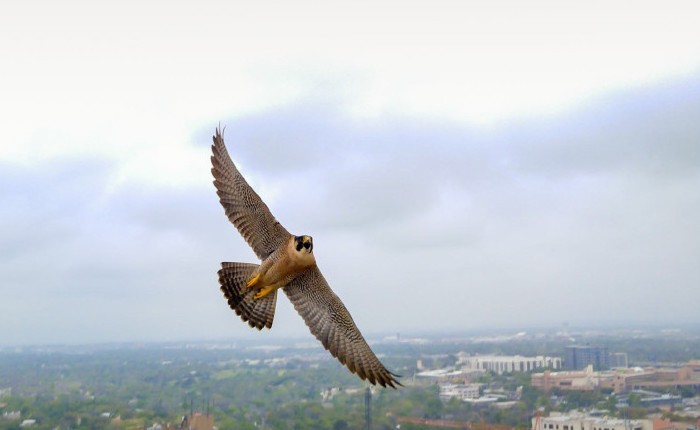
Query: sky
{"x": 460, "y": 165}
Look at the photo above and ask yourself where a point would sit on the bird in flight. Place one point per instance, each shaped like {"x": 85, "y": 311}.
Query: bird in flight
{"x": 287, "y": 262}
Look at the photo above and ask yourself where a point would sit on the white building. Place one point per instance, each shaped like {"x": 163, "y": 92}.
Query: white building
{"x": 461, "y": 392}
{"x": 507, "y": 363}
{"x": 578, "y": 421}
{"x": 12, "y": 415}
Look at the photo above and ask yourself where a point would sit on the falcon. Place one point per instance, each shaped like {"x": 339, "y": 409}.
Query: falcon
{"x": 287, "y": 262}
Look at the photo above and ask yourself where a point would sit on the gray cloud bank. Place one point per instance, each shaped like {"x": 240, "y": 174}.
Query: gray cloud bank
{"x": 586, "y": 217}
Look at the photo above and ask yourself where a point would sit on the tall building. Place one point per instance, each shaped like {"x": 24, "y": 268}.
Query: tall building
{"x": 577, "y": 357}
{"x": 618, "y": 360}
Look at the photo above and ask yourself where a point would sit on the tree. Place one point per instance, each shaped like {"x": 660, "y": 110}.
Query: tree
{"x": 340, "y": 425}
{"x": 634, "y": 400}
{"x": 433, "y": 408}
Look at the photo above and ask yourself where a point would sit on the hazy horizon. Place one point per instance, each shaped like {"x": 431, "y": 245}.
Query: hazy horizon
{"x": 272, "y": 337}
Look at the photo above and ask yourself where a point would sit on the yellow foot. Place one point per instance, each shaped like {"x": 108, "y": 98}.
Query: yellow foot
{"x": 263, "y": 292}
{"x": 252, "y": 281}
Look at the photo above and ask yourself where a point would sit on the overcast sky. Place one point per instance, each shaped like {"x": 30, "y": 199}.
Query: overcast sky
{"x": 460, "y": 165}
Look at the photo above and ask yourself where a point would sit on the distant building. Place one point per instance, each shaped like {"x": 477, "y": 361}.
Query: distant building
{"x": 618, "y": 360}
{"x": 621, "y": 379}
{"x": 506, "y": 363}
{"x": 446, "y": 376}
{"x": 581, "y": 380}
{"x": 689, "y": 375}
{"x": 664, "y": 400}
{"x": 197, "y": 421}
{"x": 461, "y": 392}
{"x": 578, "y": 421}
{"x": 661, "y": 424}
{"x": 577, "y": 357}
{"x": 12, "y": 415}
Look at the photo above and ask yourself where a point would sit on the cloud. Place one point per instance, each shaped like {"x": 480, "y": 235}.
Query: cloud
{"x": 649, "y": 128}
{"x": 83, "y": 262}
{"x": 586, "y": 216}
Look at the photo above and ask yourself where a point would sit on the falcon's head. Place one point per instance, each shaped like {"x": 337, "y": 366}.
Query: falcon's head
{"x": 304, "y": 244}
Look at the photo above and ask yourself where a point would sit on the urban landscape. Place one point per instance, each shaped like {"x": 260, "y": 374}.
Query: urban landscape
{"x": 565, "y": 379}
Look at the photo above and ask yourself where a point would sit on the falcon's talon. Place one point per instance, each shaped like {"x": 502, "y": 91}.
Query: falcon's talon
{"x": 252, "y": 281}
{"x": 263, "y": 292}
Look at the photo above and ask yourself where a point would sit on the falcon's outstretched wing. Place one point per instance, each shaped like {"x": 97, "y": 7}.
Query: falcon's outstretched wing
{"x": 332, "y": 324}
{"x": 244, "y": 208}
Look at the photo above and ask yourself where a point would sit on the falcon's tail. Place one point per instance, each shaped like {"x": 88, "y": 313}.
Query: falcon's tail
{"x": 258, "y": 313}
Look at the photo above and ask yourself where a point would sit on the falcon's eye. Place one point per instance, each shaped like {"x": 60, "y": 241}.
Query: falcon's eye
{"x": 307, "y": 245}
